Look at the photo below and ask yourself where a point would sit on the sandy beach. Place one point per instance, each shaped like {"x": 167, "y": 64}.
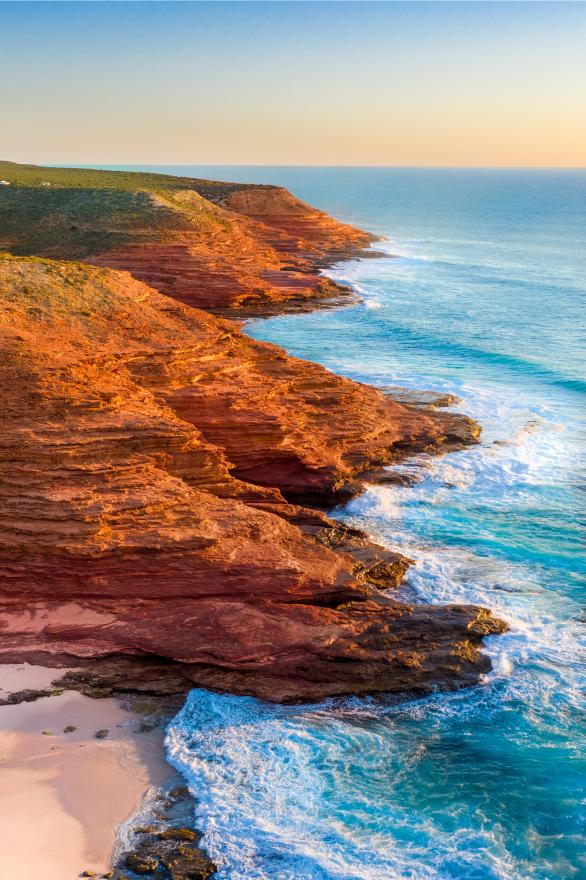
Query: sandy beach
{"x": 62, "y": 795}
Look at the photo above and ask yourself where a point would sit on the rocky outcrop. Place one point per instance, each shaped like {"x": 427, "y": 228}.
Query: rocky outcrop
{"x": 166, "y": 845}
{"x": 158, "y": 465}
{"x": 233, "y": 249}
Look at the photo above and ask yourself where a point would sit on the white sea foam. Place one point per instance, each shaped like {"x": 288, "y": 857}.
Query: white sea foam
{"x": 315, "y": 793}
{"x": 474, "y": 785}
{"x": 265, "y": 780}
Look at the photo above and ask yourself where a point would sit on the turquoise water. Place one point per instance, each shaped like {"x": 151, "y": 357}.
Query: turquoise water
{"x": 482, "y": 299}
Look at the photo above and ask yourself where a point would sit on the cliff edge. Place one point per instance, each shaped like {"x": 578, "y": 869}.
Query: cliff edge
{"x": 158, "y": 517}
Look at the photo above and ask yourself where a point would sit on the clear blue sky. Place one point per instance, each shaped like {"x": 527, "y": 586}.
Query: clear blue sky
{"x": 294, "y": 83}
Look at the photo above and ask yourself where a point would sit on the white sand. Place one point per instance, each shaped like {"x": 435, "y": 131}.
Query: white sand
{"x": 62, "y": 795}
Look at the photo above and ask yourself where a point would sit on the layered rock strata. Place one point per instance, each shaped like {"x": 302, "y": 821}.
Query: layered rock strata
{"x": 233, "y": 249}
{"x": 158, "y": 466}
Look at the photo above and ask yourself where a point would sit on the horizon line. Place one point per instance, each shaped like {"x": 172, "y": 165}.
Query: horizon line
{"x": 99, "y": 165}
{"x": 74, "y": 164}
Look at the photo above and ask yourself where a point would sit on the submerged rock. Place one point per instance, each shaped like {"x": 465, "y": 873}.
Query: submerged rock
{"x": 188, "y": 862}
{"x": 172, "y": 853}
{"x": 141, "y": 864}
{"x": 177, "y": 834}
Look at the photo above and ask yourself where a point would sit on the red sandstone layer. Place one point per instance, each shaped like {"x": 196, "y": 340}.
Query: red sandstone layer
{"x": 227, "y": 248}
{"x": 155, "y": 461}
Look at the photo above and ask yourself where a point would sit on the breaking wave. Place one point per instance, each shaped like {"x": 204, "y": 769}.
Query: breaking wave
{"x": 487, "y": 783}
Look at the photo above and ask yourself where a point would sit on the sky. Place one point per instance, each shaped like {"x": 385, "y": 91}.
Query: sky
{"x": 294, "y": 83}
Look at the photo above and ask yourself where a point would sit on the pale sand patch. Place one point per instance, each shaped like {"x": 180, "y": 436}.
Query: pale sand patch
{"x": 62, "y": 795}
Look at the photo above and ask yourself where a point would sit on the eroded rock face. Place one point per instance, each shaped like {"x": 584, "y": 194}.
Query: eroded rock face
{"x": 261, "y": 255}
{"x": 233, "y": 249}
{"x": 156, "y": 460}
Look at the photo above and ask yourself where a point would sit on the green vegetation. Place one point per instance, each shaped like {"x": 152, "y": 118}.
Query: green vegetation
{"x": 44, "y": 289}
{"x": 131, "y": 181}
{"x": 72, "y": 223}
{"x": 84, "y": 212}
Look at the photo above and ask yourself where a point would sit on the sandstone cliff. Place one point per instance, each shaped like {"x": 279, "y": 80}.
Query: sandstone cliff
{"x": 228, "y": 248}
{"x": 163, "y": 473}
{"x": 155, "y": 460}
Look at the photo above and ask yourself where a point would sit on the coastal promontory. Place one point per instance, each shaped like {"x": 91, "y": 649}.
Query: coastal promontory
{"x": 163, "y": 512}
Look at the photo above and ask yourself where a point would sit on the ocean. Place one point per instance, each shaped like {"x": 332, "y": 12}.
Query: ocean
{"x": 479, "y": 295}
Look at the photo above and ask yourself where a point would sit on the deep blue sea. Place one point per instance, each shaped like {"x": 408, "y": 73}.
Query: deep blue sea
{"x": 479, "y": 295}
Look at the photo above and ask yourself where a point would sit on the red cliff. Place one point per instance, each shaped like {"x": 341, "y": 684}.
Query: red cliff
{"x": 233, "y": 249}
{"x": 155, "y": 461}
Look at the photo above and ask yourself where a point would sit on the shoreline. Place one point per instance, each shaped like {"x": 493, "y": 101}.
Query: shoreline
{"x": 140, "y": 753}
{"x": 64, "y": 794}
{"x": 133, "y": 772}
{"x": 102, "y": 846}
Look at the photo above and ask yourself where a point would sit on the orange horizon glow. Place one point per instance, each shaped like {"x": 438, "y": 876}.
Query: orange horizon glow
{"x": 336, "y": 84}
